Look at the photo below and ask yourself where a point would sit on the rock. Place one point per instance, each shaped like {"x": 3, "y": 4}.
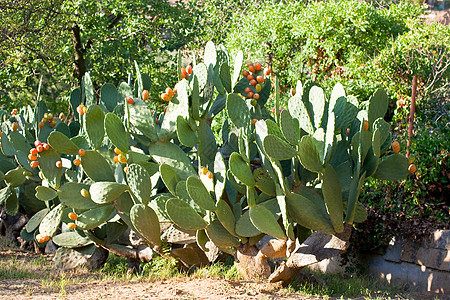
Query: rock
{"x": 50, "y": 248}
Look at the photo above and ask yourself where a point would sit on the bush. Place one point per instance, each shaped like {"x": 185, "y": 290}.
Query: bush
{"x": 327, "y": 42}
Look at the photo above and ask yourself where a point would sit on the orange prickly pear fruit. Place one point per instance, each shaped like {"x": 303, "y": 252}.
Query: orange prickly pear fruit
{"x": 257, "y": 66}
{"x": 183, "y": 73}
{"x": 412, "y": 168}
{"x": 73, "y": 216}
{"x": 84, "y": 193}
{"x": 245, "y": 73}
{"x": 76, "y": 162}
{"x": 170, "y": 92}
{"x": 34, "y": 164}
{"x": 15, "y": 126}
{"x": 72, "y": 225}
{"x": 260, "y": 79}
{"x": 204, "y": 171}
{"x": 395, "y": 147}
{"x": 81, "y": 152}
{"x": 122, "y": 158}
{"x": 145, "y": 95}
{"x": 366, "y": 126}
{"x": 58, "y": 164}
{"x": 189, "y": 69}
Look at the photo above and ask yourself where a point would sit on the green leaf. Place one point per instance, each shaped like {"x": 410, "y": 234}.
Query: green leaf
{"x": 50, "y": 222}
{"x": 172, "y": 155}
{"x": 139, "y": 182}
{"x": 95, "y": 125}
{"x": 220, "y": 236}
{"x": 36, "y": 219}
{"x": 309, "y": 155}
{"x": 61, "y": 143}
{"x": 96, "y": 167}
{"x": 265, "y": 221}
{"x": 44, "y": 193}
{"x": 47, "y": 164}
{"x": 393, "y": 167}
{"x": 94, "y": 217}
{"x": 198, "y": 192}
{"x": 15, "y": 177}
{"x": 106, "y": 192}
{"x": 277, "y": 148}
{"x": 333, "y": 198}
{"x": 146, "y": 222}
{"x": 185, "y": 133}
{"x": 183, "y": 215}
{"x": 226, "y": 216}
{"x": 70, "y": 195}
{"x": 238, "y": 112}
{"x": 241, "y": 170}
{"x": 116, "y": 132}
{"x": 378, "y": 105}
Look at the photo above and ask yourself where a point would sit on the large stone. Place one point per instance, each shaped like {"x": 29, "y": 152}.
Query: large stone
{"x": 394, "y": 249}
{"x": 440, "y": 239}
{"x": 437, "y": 259}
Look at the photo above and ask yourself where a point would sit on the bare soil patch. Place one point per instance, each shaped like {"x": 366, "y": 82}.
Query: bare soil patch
{"x": 173, "y": 288}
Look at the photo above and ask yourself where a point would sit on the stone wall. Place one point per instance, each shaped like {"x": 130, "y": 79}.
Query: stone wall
{"x": 424, "y": 266}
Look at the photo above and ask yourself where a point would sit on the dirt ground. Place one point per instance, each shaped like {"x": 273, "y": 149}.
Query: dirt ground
{"x": 26, "y": 275}
{"x": 174, "y": 288}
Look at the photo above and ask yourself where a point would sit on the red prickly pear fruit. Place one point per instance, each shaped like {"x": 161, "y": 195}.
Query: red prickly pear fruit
{"x": 130, "y": 100}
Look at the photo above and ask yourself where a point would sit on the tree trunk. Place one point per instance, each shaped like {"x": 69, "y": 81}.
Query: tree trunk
{"x": 80, "y": 66}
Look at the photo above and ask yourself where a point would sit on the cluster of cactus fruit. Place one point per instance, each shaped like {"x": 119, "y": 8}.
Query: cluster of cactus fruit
{"x": 119, "y": 165}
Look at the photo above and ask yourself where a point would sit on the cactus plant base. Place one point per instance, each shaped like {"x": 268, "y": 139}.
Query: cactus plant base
{"x": 317, "y": 247}
{"x": 251, "y": 264}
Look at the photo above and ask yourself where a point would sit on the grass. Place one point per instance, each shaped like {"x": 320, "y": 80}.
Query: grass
{"x": 344, "y": 286}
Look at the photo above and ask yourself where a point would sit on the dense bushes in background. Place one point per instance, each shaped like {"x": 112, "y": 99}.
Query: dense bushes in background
{"x": 38, "y": 40}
